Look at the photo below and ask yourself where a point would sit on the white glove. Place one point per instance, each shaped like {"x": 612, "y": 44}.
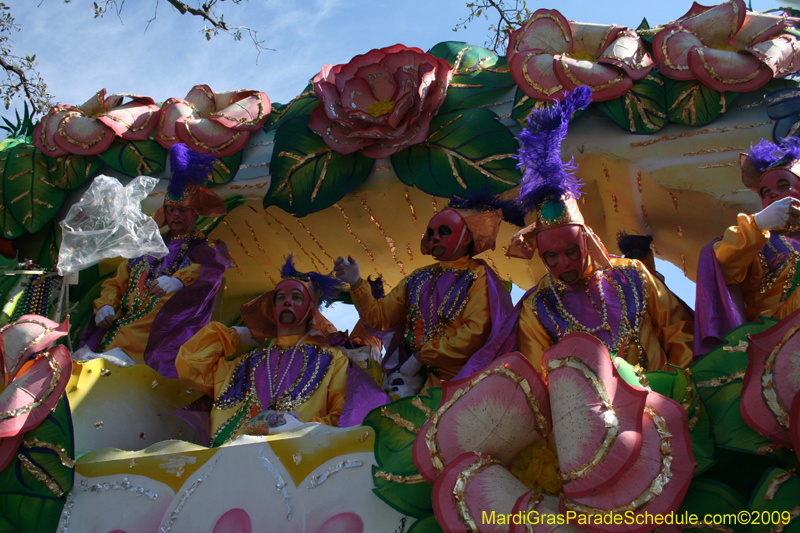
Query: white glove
{"x": 778, "y": 214}
{"x": 347, "y": 270}
{"x": 245, "y": 337}
{"x": 169, "y": 284}
{"x": 291, "y": 423}
{"x": 104, "y": 312}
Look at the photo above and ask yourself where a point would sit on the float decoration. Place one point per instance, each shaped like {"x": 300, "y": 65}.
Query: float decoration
{"x": 135, "y": 158}
{"x": 209, "y": 122}
{"x": 28, "y": 194}
{"x": 776, "y": 495}
{"x": 225, "y": 169}
{"x": 379, "y": 102}
{"x": 308, "y": 175}
{"x": 69, "y": 172}
{"x": 640, "y": 110}
{"x": 727, "y": 47}
{"x": 466, "y": 151}
{"x": 303, "y": 104}
{"x": 90, "y": 128}
{"x": 9, "y": 227}
{"x": 709, "y": 496}
{"x": 480, "y": 77}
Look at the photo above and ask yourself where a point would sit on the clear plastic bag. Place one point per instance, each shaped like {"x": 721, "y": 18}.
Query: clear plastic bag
{"x": 108, "y": 222}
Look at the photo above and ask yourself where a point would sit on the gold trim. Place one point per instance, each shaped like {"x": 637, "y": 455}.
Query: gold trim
{"x": 416, "y": 478}
{"x": 39, "y": 474}
{"x": 776, "y": 483}
{"x": 399, "y": 421}
{"x": 461, "y": 486}
{"x": 61, "y": 452}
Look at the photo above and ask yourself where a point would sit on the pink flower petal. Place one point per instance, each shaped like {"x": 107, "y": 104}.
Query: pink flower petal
{"x": 342, "y": 523}
{"x": 759, "y": 27}
{"x": 329, "y": 100}
{"x": 627, "y": 52}
{"x": 335, "y": 134}
{"x": 94, "y": 106}
{"x": 358, "y": 96}
{"x": 695, "y": 10}
{"x": 505, "y": 405}
{"x": 26, "y": 336}
{"x": 728, "y": 71}
{"x": 203, "y": 100}
{"x": 597, "y": 417}
{"x": 34, "y": 387}
{"x": 534, "y": 73}
{"x": 794, "y": 424}
{"x": 779, "y": 54}
{"x": 547, "y": 514}
{"x": 172, "y": 110}
{"x": 671, "y": 48}
{"x": 207, "y": 136}
{"x": 45, "y": 131}
{"x": 658, "y": 480}
{"x": 8, "y": 449}
{"x": 606, "y": 82}
{"x": 379, "y": 80}
{"x": 133, "y": 121}
{"x": 592, "y": 39}
{"x": 248, "y": 111}
{"x": 349, "y": 70}
{"x": 234, "y": 521}
{"x": 719, "y": 25}
{"x": 772, "y": 381}
{"x": 546, "y": 30}
{"x": 82, "y": 135}
{"x": 470, "y": 485}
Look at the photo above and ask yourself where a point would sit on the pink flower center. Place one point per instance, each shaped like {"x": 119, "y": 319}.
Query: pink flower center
{"x": 381, "y": 107}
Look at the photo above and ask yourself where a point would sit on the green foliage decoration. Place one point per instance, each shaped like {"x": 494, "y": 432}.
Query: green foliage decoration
{"x": 642, "y": 109}
{"x": 71, "y": 171}
{"x": 135, "y": 158}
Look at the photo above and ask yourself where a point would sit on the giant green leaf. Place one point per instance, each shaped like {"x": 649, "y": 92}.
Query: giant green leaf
{"x": 480, "y": 76}
{"x": 640, "y": 110}
{"x": 302, "y": 105}
{"x": 710, "y": 497}
{"x": 464, "y": 152}
{"x": 719, "y": 376}
{"x": 307, "y": 175}
{"x": 51, "y": 242}
{"x": 135, "y": 158}
{"x": 209, "y": 224}
{"x": 427, "y": 524}
{"x": 9, "y": 227}
{"x": 225, "y": 168}
{"x": 680, "y": 386}
{"x": 409, "y": 499}
{"x": 27, "y": 191}
{"x": 768, "y": 508}
{"x": 693, "y": 104}
{"x": 71, "y": 171}
{"x": 50, "y": 449}
{"x": 523, "y": 105}
{"x": 23, "y": 514}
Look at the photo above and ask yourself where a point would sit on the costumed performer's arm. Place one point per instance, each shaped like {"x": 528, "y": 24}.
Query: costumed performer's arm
{"x": 114, "y": 288}
{"x": 337, "y": 390}
{"x": 188, "y": 275}
{"x": 382, "y": 313}
{"x": 673, "y": 322}
{"x": 201, "y": 361}
{"x": 458, "y": 343}
{"x": 532, "y": 338}
{"x": 738, "y": 250}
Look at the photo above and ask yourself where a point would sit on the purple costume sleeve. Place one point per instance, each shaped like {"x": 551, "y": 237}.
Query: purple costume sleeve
{"x": 363, "y": 395}
{"x": 187, "y": 311}
{"x": 718, "y": 308}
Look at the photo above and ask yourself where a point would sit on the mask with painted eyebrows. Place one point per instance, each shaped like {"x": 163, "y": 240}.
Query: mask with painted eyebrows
{"x": 564, "y": 252}
{"x": 447, "y": 235}
{"x": 291, "y": 305}
{"x": 776, "y": 184}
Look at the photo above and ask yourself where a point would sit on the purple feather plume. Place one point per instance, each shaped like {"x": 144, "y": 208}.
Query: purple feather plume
{"x": 767, "y": 154}
{"x": 634, "y": 244}
{"x": 484, "y": 200}
{"x": 325, "y": 285}
{"x": 539, "y": 156}
{"x": 188, "y": 167}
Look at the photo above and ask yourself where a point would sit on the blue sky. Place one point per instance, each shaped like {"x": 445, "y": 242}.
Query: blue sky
{"x": 79, "y": 55}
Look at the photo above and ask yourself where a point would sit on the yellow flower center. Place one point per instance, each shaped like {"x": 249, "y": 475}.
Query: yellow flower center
{"x": 381, "y": 107}
{"x": 537, "y": 467}
{"x": 582, "y": 56}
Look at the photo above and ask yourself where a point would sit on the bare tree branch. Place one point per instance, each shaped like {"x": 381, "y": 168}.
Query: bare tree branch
{"x": 22, "y": 77}
{"x": 504, "y": 19}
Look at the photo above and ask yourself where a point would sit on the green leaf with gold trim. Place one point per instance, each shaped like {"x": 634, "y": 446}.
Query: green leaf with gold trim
{"x": 709, "y": 496}
{"x": 23, "y": 514}
{"x": 225, "y": 168}
{"x": 27, "y": 191}
{"x": 640, "y": 110}
{"x": 71, "y": 171}
{"x": 9, "y": 227}
{"x": 428, "y": 524}
{"x": 135, "y": 158}
{"x": 307, "y": 175}
{"x": 465, "y": 151}
{"x": 693, "y": 104}
{"x": 776, "y": 497}
{"x": 302, "y": 105}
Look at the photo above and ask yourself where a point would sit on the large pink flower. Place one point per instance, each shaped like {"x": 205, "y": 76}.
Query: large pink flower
{"x": 727, "y": 48}
{"x": 209, "y": 122}
{"x": 90, "y": 128}
{"x": 379, "y": 102}
{"x": 549, "y": 55}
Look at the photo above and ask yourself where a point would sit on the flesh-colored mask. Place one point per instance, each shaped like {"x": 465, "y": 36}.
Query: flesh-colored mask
{"x": 291, "y": 305}
{"x": 563, "y": 251}
{"x": 448, "y": 236}
{"x": 778, "y": 183}
{"x": 180, "y": 220}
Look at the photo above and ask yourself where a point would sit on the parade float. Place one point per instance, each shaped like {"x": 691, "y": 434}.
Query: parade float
{"x": 355, "y": 165}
